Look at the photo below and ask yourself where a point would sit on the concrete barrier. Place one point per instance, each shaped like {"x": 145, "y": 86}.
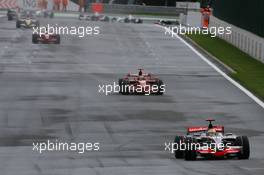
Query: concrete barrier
{"x": 246, "y": 41}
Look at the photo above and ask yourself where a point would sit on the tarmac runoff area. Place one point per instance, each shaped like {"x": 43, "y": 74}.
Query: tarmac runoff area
{"x": 50, "y": 92}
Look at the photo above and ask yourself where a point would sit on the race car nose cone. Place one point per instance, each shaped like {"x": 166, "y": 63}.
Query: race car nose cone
{"x": 28, "y": 22}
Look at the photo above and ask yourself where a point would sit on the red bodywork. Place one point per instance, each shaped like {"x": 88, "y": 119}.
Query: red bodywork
{"x": 144, "y": 80}
{"x": 218, "y": 153}
{"x": 47, "y": 38}
{"x": 204, "y": 128}
{"x": 221, "y": 153}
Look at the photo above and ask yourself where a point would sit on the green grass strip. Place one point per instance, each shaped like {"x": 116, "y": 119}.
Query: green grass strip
{"x": 249, "y": 71}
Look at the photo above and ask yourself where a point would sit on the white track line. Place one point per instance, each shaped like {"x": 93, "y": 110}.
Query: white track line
{"x": 243, "y": 89}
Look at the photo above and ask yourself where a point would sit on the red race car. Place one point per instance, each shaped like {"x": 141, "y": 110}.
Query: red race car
{"x": 141, "y": 83}
{"x": 46, "y": 38}
{"x": 210, "y": 142}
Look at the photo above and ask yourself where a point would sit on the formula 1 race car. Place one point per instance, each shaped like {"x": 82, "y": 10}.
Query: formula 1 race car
{"x": 27, "y": 20}
{"x": 131, "y": 19}
{"x": 45, "y": 13}
{"x": 141, "y": 84}
{"x": 45, "y": 38}
{"x": 11, "y": 14}
{"x": 210, "y": 142}
{"x": 167, "y": 22}
{"x": 94, "y": 17}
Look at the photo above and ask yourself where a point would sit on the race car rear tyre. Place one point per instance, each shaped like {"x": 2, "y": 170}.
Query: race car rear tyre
{"x": 177, "y": 144}
{"x": 94, "y": 18}
{"x": 35, "y": 38}
{"x": 37, "y": 24}
{"x": 139, "y": 21}
{"x": 17, "y": 24}
{"x": 245, "y": 151}
{"x": 160, "y": 90}
{"x": 58, "y": 39}
{"x": 106, "y": 19}
{"x": 9, "y": 18}
{"x": 52, "y": 15}
{"x": 190, "y": 152}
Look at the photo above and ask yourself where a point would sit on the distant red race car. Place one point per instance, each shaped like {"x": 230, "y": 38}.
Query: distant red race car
{"x": 210, "y": 142}
{"x": 141, "y": 83}
{"x": 46, "y": 38}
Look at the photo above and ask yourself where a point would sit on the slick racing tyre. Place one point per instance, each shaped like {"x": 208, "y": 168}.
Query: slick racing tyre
{"x": 51, "y": 15}
{"x": 160, "y": 90}
{"x": 190, "y": 152}
{"x": 245, "y": 150}
{"x": 177, "y": 152}
{"x": 57, "y": 39}
{"x": 122, "y": 85}
{"x": 35, "y": 38}
{"x": 9, "y": 18}
{"x": 126, "y": 20}
{"x": 17, "y": 24}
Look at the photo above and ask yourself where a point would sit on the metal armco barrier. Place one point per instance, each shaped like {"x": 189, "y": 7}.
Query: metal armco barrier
{"x": 246, "y": 41}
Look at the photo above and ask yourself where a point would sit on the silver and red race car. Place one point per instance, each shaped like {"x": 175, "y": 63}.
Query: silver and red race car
{"x": 141, "y": 83}
{"x": 167, "y": 22}
{"x": 45, "y": 38}
{"x": 210, "y": 142}
{"x": 94, "y": 17}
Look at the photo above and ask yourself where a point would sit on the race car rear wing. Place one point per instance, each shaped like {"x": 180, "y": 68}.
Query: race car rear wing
{"x": 204, "y": 128}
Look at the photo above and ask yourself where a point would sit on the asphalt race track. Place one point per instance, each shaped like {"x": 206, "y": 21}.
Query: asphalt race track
{"x": 51, "y": 92}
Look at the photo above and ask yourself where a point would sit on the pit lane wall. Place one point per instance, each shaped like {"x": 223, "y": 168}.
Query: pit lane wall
{"x": 244, "y": 40}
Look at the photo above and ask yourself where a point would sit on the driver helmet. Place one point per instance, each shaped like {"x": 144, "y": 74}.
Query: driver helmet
{"x": 140, "y": 78}
{"x": 211, "y": 132}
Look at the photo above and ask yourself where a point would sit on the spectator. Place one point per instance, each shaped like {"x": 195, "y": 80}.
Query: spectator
{"x": 64, "y": 5}
{"x": 81, "y": 5}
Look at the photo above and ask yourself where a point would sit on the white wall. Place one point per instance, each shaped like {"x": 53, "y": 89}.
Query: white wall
{"x": 242, "y": 39}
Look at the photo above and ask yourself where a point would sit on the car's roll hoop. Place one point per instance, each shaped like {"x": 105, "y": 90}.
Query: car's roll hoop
{"x": 210, "y": 125}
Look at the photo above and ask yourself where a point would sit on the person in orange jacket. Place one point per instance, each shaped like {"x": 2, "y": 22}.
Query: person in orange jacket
{"x": 44, "y": 4}
{"x": 56, "y": 5}
{"x": 64, "y": 5}
{"x": 206, "y": 12}
{"x": 81, "y": 5}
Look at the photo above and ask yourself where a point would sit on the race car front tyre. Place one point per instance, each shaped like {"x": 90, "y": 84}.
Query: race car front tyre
{"x": 190, "y": 152}
{"x": 245, "y": 150}
{"x": 177, "y": 147}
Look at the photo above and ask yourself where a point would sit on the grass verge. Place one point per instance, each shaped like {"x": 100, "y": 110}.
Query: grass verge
{"x": 248, "y": 71}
